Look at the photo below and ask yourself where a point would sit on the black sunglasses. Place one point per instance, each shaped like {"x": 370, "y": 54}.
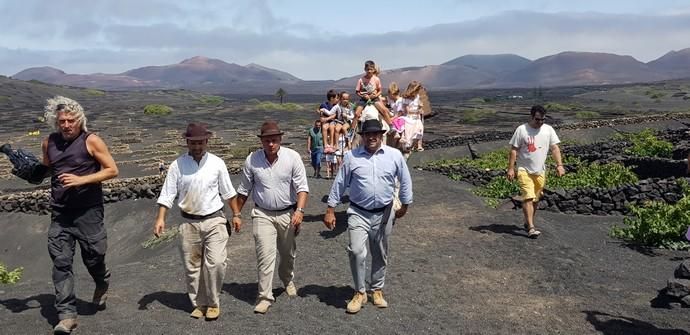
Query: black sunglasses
{"x": 60, "y": 107}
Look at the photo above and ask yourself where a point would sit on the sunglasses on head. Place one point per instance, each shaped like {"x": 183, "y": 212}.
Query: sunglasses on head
{"x": 60, "y": 107}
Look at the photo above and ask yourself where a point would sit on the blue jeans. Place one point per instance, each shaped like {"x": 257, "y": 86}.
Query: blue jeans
{"x": 316, "y": 154}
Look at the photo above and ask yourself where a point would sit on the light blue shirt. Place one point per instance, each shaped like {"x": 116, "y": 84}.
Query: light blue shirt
{"x": 371, "y": 178}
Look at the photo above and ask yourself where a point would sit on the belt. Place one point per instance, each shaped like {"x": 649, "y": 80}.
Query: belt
{"x": 293, "y": 207}
{"x": 373, "y": 210}
{"x": 217, "y": 213}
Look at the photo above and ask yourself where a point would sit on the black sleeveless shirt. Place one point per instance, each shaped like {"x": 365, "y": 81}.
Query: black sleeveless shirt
{"x": 72, "y": 157}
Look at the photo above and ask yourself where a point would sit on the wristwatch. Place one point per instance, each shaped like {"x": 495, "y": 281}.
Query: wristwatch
{"x": 299, "y": 209}
{"x": 238, "y": 215}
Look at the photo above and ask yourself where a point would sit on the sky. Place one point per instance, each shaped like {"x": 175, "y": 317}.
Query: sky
{"x": 316, "y": 40}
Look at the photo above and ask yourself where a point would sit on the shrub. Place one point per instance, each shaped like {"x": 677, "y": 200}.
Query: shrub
{"x": 4, "y": 98}
{"x": 658, "y": 224}
{"x": 476, "y": 115}
{"x": 586, "y": 115}
{"x": 646, "y": 144}
{"x": 254, "y": 101}
{"x": 94, "y": 92}
{"x": 476, "y": 100}
{"x": 272, "y": 106}
{"x": 157, "y": 109}
{"x": 212, "y": 100}
{"x": 498, "y": 188}
{"x": 594, "y": 175}
{"x": 556, "y": 107}
{"x": 586, "y": 175}
{"x": 10, "y": 277}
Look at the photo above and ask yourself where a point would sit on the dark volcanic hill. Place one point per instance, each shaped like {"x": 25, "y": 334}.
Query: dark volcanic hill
{"x": 675, "y": 64}
{"x": 580, "y": 68}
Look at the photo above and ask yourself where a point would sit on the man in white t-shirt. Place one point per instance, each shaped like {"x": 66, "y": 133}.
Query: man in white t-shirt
{"x": 529, "y": 146}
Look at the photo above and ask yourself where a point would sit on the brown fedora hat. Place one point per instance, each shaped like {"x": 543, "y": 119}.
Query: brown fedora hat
{"x": 270, "y": 128}
{"x": 196, "y": 131}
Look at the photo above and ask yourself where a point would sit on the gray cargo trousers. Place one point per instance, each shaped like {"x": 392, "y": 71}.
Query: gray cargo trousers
{"x": 83, "y": 225}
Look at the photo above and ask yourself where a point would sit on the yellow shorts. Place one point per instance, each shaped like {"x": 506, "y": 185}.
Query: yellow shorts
{"x": 531, "y": 185}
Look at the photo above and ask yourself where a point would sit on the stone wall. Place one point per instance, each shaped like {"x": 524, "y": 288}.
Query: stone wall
{"x": 38, "y": 201}
{"x": 613, "y": 201}
{"x": 589, "y": 201}
{"x": 487, "y": 136}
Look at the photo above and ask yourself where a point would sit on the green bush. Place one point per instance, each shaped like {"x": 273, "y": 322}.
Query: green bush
{"x": 646, "y": 144}
{"x": 586, "y": 175}
{"x": 477, "y": 100}
{"x": 272, "y": 106}
{"x": 10, "y": 277}
{"x": 498, "y": 188}
{"x": 4, "y": 98}
{"x": 476, "y": 115}
{"x": 212, "y": 100}
{"x": 254, "y": 101}
{"x": 556, "y": 107}
{"x": 94, "y": 92}
{"x": 157, "y": 109}
{"x": 594, "y": 175}
{"x": 658, "y": 224}
{"x": 583, "y": 115}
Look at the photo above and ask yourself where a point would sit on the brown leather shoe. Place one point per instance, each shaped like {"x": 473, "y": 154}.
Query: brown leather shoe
{"x": 198, "y": 312}
{"x": 291, "y": 290}
{"x": 262, "y": 306}
{"x": 212, "y": 313}
{"x": 357, "y": 302}
{"x": 378, "y": 300}
{"x": 66, "y": 326}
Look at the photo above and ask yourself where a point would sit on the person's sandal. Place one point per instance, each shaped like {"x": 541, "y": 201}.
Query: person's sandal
{"x": 531, "y": 232}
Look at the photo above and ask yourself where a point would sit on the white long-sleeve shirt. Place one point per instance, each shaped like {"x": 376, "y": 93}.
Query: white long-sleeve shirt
{"x": 198, "y": 186}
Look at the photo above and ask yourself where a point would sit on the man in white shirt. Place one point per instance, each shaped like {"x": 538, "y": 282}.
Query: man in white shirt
{"x": 277, "y": 180}
{"x": 201, "y": 182}
{"x": 529, "y": 146}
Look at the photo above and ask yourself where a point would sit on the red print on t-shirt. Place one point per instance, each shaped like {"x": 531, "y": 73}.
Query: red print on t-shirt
{"x": 530, "y": 144}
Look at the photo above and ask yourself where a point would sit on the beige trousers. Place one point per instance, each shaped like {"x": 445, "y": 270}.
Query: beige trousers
{"x": 273, "y": 232}
{"x": 204, "y": 255}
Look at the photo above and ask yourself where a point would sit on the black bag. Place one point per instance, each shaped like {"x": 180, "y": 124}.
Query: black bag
{"x": 25, "y": 165}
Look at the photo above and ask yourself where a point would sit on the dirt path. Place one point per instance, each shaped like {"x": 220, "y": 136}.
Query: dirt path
{"x": 456, "y": 267}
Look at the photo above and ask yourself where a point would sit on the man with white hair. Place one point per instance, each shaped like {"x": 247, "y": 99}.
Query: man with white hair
{"x": 79, "y": 161}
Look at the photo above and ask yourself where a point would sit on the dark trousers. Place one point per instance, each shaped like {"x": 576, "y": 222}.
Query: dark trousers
{"x": 84, "y": 225}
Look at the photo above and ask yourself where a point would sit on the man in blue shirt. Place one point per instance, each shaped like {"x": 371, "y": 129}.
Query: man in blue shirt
{"x": 370, "y": 171}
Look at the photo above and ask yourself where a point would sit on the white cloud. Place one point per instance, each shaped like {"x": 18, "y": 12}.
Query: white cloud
{"x": 129, "y": 38}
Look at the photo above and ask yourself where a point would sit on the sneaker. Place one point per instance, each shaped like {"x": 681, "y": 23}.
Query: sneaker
{"x": 198, "y": 312}
{"x": 358, "y": 301}
{"x": 100, "y": 295}
{"x": 291, "y": 290}
{"x": 377, "y": 299}
{"x": 65, "y": 326}
{"x": 262, "y": 306}
{"x": 212, "y": 313}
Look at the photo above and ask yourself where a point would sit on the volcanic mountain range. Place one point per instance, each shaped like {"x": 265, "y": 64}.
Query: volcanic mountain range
{"x": 465, "y": 72}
